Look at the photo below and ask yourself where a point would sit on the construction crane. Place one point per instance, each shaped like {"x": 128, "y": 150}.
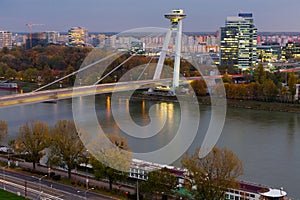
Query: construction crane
{"x": 30, "y": 25}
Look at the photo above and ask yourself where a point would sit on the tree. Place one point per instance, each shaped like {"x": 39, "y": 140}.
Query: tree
{"x": 47, "y": 75}
{"x": 270, "y": 90}
{"x": 70, "y": 80}
{"x": 226, "y": 78}
{"x": 213, "y": 174}
{"x": 30, "y": 74}
{"x": 199, "y": 86}
{"x": 260, "y": 74}
{"x": 10, "y": 73}
{"x": 159, "y": 181}
{"x": 292, "y": 85}
{"x": 33, "y": 139}
{"x": 3, "y": 129}
{"x": 103, "y": 170}
{"x": 66, "y": 147}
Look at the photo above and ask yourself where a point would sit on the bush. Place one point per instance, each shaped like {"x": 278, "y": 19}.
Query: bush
{"x": 56, "y": 177}
{"x": 52, "y": 174}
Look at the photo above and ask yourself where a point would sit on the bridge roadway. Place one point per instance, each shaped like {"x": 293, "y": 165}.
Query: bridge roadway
{"x": 65, "y": 93}
{"x": 57, "y": 94}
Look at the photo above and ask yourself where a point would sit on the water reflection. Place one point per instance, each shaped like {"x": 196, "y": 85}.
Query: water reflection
{"x": 268, "y": 143}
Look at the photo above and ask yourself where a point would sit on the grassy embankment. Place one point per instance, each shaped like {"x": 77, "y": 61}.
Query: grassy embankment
{"x": 4, "y": 195}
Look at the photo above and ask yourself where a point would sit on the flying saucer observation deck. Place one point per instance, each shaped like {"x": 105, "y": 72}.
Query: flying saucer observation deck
{"x": 175, "y": 16}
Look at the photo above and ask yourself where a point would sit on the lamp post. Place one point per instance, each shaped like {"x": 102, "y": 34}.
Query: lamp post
{"x": 40, "y": 185}
{"x": 3, "y": 173}
{"x": 86, "y": 170}
{"x": 86, "y": 192}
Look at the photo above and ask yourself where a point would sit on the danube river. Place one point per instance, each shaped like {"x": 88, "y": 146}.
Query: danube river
{"x": 268, "y": 143}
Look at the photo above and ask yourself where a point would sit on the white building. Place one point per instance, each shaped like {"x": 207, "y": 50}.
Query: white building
{"x": 5, "y": 39}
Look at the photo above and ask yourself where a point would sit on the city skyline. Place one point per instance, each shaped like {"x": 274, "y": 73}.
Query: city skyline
{"x": 269, "y": 15}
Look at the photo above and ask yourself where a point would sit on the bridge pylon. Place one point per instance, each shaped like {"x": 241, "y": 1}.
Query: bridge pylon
{"x": 176, "y": 26}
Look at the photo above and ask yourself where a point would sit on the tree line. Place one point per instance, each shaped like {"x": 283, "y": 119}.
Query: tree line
{"x": 204, "y": 178}
{"x": 261, "y": 86}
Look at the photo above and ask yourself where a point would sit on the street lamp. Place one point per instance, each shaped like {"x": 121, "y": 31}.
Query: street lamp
{"x": 86, "y": 192}
{"x": 86, "y": 170}
{"x": 40, "y": 180}
{"x": 3, "y": 173}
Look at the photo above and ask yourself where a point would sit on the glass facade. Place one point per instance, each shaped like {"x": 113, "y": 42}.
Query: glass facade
{"x": 239, "y": 42}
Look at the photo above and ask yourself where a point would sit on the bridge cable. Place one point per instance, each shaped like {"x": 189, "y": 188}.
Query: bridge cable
{"x": 73, "y": 73}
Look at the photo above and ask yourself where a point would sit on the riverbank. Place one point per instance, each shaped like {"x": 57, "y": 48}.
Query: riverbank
{"x": 245, "y": 104}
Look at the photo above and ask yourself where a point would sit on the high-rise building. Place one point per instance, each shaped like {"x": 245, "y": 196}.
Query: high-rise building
{"x": 52, "y": 37}
{"x": 37, "y": 39}
{"x": 239, "y": 42}
{"x": 78, "y": 36}
{"x": 5, "y": 39}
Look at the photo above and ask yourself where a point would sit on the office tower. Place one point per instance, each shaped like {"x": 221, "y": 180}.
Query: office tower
{"x": 38, "y": 39}
{"x": 78, "y": 36}
{"x": 238, "y": 42}
{"x": 5, "y": 39}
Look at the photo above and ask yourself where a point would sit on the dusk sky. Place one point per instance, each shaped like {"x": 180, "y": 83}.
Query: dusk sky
{"x": 121, "y": 15}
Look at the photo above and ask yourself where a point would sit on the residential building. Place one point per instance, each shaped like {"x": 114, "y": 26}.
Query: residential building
{"x": 5, "y": 39}
{"x": 291, "y": 51}
{"x": 238, "y": 42}
{"x": 78, "y": 36}
{"x": 52, "y": 37}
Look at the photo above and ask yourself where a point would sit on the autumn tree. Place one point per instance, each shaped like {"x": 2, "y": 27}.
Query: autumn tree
{"x": 292, "y": 84}
{"x": 226, "y": 78}
{"x": 200, "y": 87}
{"x": 30, "y": 74}
{"x": 33, "y": 138}
{"x": 270, "y": 90}
{"x": 160, "y": 181}
{"x": 3, "y": 129}
{"x": 47, "y": 75}
{"x": 212, "y": 175}
{"x": 103, "y": 170}
{"x": 10, "y": 73}
{"x": 260, "y": 74}
{"x": 70, "y": 80}
{"x": 66, "y": 147}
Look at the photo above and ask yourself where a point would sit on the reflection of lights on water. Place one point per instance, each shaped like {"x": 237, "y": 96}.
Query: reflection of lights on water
{"x": 143, "y": 108}
{"x": 165, "y": 109}
{"x": 170, "y": 112}
{"x": 127, "y": 105}
{"x": 108, "y": 104}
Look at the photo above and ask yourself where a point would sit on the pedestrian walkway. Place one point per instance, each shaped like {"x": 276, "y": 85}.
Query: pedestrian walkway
{"x": 77, "y": 177}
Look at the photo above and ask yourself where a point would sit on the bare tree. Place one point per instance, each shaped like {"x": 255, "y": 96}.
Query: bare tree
{"x": 212, "y": 175}
{"x": 117, "y": 160}
{"x": 66, "y": 147}
{"x": 32, "y": 140}
{"x": 3, "y": 129}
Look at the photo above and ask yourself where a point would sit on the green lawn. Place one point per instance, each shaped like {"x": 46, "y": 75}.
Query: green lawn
{"x": 9, "y": 196}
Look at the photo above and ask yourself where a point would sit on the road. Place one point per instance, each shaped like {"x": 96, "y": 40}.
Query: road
{"x": 65, "y": 93}
{"x": 37, "y": 188}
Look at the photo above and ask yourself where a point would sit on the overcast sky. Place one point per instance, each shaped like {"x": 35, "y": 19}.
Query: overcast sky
{"x": 121, "y": 15}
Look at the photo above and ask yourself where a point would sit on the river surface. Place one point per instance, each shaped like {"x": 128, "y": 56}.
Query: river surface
{"x": 268, "y": 143}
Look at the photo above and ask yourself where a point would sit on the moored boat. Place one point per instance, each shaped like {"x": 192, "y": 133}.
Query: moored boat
{"x": 8, "y": 86}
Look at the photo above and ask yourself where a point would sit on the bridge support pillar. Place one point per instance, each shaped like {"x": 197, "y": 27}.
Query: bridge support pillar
{"x": 176, "y": 25}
